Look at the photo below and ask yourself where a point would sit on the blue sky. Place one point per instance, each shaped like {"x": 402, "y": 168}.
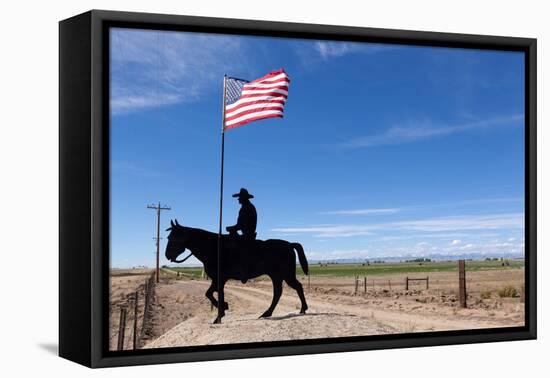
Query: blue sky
{"x": 385, "y": 150}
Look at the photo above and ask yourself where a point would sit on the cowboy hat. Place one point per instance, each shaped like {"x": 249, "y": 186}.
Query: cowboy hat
{"x": 243, "y": 194}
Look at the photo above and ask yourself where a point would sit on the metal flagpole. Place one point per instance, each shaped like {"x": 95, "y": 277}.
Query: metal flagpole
{"x": 221, "y": 299}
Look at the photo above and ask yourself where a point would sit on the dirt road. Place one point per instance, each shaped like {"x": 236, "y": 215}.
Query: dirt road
{"x": 330, "y": 315}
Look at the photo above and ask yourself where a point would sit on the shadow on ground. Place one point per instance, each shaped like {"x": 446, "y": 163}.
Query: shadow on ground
{"x": 295, "y": 315}
{"x": 52, "y": 348}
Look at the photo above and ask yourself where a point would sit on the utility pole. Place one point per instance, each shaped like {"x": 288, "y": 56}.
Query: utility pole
{"x": 158, "y": 208}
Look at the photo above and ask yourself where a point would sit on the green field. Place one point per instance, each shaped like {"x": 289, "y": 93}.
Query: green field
{"x": 343, "y": 270}
{"x": 351, "y": 270}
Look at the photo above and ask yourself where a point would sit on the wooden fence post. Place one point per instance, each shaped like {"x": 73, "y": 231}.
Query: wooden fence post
{"x": 462, "y": 283}
{"x": 389, "y": 284}
{"x": 121, "y": 328}
{"x": 356, "y": 284}
{"x": 136, "y": 297}
{"x": 406, "y": 283}
{"x": 522, "y": 294}
{"x": 427, "y": 282}
{"x": 365, "y": 283}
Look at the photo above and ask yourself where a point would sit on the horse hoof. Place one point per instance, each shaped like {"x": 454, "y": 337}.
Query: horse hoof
{"x": 218, "y": 320}
{"x": 303, "y": 312}
{"x": 265, "y": 315}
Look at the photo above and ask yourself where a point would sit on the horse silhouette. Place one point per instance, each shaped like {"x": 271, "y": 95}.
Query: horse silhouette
{"x": 241, "y": 260}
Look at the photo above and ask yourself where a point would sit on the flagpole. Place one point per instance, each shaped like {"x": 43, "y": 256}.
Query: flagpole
{"x": 221, "y": 299}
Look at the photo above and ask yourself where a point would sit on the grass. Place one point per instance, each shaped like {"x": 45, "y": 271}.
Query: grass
{"x": 342, "y": 270}
{"x": 508, "y": 291}
{"x": 350, "y": 270}
{"x": 485, "y": 294}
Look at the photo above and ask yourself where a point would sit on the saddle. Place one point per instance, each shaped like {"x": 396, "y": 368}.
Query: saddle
{"x": 241, "y": 242}
{"x": 239, "y": 247}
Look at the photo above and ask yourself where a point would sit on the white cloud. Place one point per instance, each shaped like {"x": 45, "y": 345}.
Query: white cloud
{"x": 327, "y": 231}
{"x": 456, "y": 223}
{"x": 363, "y": 211}
{"x": 393, "y": 210}
{"x": 127, "y": 103}
{"x": 421, "y": 249}
{"x": 485, "y": 248}
{"x": 126, "y": 167}
{"x": 438, "y": 235}
{"x": 420, "y": 130}
{"x": 159, "y": 68}
{"x": 443, "y": 224}
{"x": 455, "y": 242}
{"x": 338, "y": 254}
{"x": 332, "y": 49}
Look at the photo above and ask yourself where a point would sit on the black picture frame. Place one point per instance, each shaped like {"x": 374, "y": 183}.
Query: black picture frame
{"x": 84, "y": 187}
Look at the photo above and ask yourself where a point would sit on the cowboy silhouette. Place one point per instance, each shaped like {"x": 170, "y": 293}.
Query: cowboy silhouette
{"x": 248, "y": 218}
{"x": 246, "y": 224}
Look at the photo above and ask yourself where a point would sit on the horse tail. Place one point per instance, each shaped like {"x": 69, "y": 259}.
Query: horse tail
{"x": 301, "y": 256}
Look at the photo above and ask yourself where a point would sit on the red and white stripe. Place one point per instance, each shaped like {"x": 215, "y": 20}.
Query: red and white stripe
{"x": 260, "y": 99}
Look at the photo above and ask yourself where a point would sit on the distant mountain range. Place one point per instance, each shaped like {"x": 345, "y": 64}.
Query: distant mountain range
{"x": 432, "y": 257}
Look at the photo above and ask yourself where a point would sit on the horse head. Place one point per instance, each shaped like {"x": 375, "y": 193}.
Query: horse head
{"x": 177, "y": 242}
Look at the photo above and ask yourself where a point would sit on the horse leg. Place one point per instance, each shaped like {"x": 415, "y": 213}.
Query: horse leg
{"x": 210, "y": 295}
{"x": 277, "y": 291}
{"x": 221, "y": 313}
{"x": 296, "y": 285}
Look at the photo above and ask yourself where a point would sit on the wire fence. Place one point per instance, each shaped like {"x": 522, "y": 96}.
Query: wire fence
{"x": 135, "y": 320}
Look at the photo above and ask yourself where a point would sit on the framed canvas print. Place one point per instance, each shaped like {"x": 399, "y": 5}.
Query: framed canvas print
{"x": 234, "y": 188}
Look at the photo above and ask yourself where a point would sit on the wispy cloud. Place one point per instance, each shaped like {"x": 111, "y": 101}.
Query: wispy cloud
{"x": 328, "y": 231}
{"x": 455, "y": 223}
{"x": 339, "y": 254}
{"x": 126, "y": 167}
{"x": 393, "y": 210}
{"x": 434, "y": 236}
{"x": 414, "y": 131}
{"x": 159, "y": 68}
{"x": 331, "y": 49}
{"x": 129, "y": 102}
{"x": 443, "y": 224}
{"x": 362, "y": 211}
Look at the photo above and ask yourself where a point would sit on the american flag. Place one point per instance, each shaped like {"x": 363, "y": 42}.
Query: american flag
{"x": 248, "y": 101}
